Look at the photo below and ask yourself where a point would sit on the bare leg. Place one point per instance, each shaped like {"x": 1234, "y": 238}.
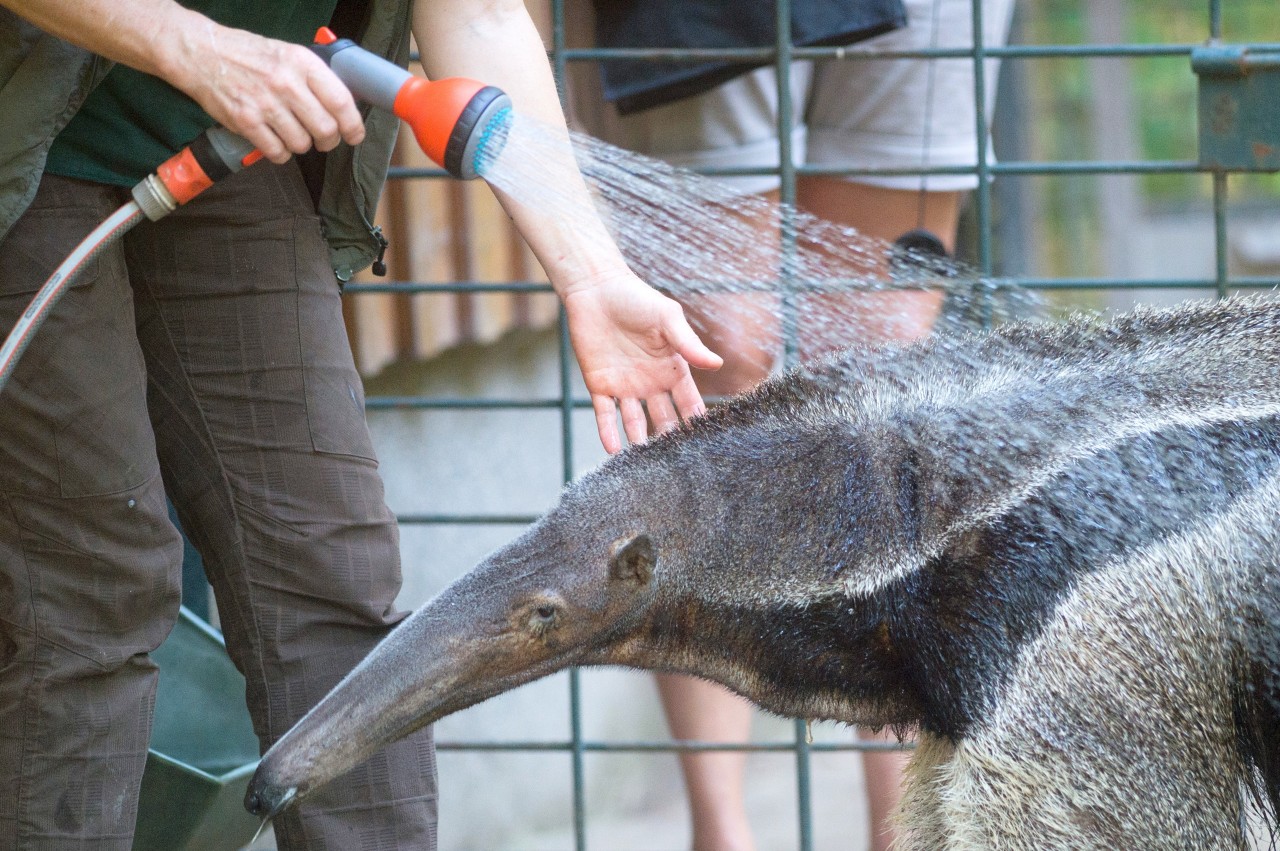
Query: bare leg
{"x": 883, "y": 772}
{"x": 879, "y": 212}
{"x": 743, "y": 329}
{"x": 702, "y": 711}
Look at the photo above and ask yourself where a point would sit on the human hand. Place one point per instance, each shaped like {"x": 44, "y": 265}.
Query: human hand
{"x": 634, "y": 345}
{"x": 281, "y": 97}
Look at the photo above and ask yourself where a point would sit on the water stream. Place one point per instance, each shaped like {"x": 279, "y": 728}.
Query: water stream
{"x": 747, "y": 269}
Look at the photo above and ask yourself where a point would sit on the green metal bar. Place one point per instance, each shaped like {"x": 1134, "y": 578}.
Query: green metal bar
{"x": 1233, "y": 60}
{"x": 1219, "y": 179}
{"x": 788, "y": 241}
{"x": 707, "y": 287}
{"x": 1220, "y": 232}
{"x": 577, "y": 761}
{"x": 786, "y": 122}
{"x": 1010, "y": 51}
{"x": 786, "y": 184}
{"x": 417, "y": 287}
{"x": 1100, "y": 167}
{"x": 674, "y": 747}
{"x": 1012, "y": 167}
{"x": 769, "y": 54}
{"x": 400, "y": 403}
{"x": 1142, "y": 283}
{"x": 578, "y": 769}
{"x": 983, "y": 195}
{"x": 1028, "y": 168}
{"x": 466, "y": 519}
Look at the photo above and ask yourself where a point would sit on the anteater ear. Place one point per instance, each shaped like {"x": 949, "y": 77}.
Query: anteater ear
{"x": 632, "y": 559}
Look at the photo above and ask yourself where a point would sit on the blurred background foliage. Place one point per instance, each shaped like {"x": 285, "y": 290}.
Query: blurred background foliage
{"x": 1063, "y": 115}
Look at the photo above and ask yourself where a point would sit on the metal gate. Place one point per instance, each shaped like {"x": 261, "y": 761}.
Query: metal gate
{"x": 1098, "y": 135}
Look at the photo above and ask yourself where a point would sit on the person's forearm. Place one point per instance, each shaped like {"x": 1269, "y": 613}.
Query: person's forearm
{"x": 143, "y": 34}
{"x": 633, "y": 344}
{"x": 280, "y": 96}
{"x": 495, "y": 41}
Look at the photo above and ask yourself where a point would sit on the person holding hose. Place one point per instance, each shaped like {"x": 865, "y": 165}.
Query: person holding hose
{"x": 204, "y": 358}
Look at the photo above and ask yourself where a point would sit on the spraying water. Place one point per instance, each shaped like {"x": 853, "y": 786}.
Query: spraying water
{"x": 774, "y": 274}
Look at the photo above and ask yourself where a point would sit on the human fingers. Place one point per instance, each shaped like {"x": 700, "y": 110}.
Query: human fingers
{"x": 662, "y": 414}
{"x": 688, "y": 401}
{"x": 281, "y": 97}
{"x": 634, "y": 421}
{"x": 293, "y": 137}
{"x": 687, "y": 343}
{"x": 339, "y": 117}
{"x": 308, "y": 105}
{"x": 607, "y": 422}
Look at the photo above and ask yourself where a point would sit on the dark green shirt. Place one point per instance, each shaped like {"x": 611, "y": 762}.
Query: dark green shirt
{"x": 132, "y": 121}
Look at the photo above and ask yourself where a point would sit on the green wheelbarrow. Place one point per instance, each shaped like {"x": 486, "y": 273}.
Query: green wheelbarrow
{"x": 203, "y": 749}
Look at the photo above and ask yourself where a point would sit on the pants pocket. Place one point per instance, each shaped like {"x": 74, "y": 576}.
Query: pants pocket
{"x": 335, "y": 393}
{"x": 74, "y": 412}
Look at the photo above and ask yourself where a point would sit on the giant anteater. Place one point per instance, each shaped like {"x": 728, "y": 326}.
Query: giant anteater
{"x": 1053, "y": 549}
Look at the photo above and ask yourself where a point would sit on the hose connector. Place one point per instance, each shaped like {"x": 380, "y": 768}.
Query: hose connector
{"x": 215, "y": 153}
{"x": 154, "y": 198}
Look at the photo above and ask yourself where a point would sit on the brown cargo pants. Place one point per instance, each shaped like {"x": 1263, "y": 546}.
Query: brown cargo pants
{"x": 203, "y": 357}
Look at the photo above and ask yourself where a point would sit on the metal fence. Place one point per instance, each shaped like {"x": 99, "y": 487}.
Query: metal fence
{"x": 999, "y": 239}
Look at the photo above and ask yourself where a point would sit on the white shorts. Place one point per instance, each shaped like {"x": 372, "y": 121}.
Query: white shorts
{"x": 856, "y": 113}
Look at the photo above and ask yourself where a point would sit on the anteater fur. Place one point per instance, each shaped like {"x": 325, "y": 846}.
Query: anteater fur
{"x": 1053, "y": 550}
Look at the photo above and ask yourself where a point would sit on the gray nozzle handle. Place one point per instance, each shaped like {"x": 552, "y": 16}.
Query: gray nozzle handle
{"x": 229, "y": 148}
{"x": 370, "y": 78}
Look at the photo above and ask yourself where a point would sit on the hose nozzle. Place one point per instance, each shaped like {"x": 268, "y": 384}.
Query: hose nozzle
{"x": 460, "y": 124}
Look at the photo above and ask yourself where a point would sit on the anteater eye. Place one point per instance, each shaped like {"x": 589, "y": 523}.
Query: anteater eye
{"x": 545, "y": 612}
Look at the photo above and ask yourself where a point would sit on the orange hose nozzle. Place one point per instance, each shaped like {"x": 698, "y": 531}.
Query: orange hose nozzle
{"x": 432, "y": 109}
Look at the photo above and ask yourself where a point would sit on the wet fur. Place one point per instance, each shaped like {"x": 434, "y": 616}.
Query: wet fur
{"x": 1054, "y": 549}
{"x": 1051, "y": 549}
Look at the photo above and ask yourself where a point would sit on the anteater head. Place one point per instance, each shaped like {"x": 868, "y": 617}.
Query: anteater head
{"x": 569, "y": 587}
{"x": 639, "y": 564}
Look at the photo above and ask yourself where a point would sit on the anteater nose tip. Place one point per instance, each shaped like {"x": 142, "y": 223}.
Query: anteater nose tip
{"x": 267, "y": 801}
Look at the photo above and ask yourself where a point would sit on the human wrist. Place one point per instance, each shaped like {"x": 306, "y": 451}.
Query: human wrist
{"x": 594, "y": 278}
{"x": 581, "y": 263}
{"x": 185, "y": 48}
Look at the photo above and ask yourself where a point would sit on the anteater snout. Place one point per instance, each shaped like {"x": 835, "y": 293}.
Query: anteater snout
{"x": 267, "y": 800}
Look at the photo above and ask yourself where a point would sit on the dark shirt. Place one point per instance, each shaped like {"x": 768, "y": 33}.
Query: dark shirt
{"x": 634, "y": 85}
{"x": 132, "y": 122}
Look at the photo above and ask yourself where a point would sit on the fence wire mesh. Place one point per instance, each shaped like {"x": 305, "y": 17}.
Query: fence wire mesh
{"x": 1078, "y": 204}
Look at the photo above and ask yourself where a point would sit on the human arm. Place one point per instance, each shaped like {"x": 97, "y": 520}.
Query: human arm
{"x": 279, "y": 96}
{"x": 632, "y": 342}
